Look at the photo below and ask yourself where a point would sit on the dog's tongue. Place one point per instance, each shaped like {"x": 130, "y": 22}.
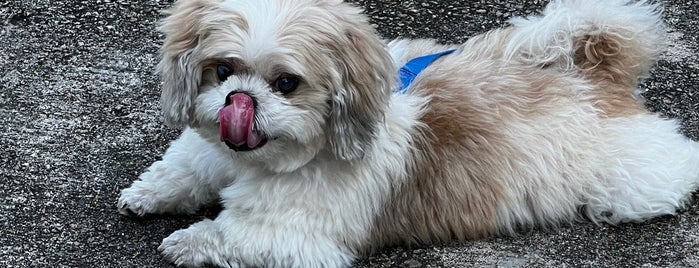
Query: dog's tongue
{"x": 236, "y": 122}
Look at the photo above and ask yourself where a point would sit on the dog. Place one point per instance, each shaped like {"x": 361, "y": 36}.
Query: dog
{"x": 297, "y": 119}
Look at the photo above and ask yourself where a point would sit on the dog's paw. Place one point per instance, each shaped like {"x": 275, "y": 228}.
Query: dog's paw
{"x": 137, "y": 200}
{"x": 227, "y": 242}
{"x": 196, "y": 246}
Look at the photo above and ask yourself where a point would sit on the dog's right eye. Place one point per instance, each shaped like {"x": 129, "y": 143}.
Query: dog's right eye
{"x": 223, "y": 71}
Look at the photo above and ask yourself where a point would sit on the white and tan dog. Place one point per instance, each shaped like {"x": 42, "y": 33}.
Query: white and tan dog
{"x": 291, "y": 122}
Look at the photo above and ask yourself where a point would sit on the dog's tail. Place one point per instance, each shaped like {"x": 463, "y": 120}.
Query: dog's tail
{"x": 606, "y": 39}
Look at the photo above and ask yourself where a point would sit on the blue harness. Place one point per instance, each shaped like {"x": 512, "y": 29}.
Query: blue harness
{"x": 412, "y": 68}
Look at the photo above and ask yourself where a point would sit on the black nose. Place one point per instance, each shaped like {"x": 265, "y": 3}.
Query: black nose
{"x": 228, "y": 98}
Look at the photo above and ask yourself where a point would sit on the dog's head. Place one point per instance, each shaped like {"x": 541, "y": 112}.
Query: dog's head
{"x": 275, "y": 78}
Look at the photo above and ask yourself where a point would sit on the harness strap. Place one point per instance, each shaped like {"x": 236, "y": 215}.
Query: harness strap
{"x": 412, "y": 68}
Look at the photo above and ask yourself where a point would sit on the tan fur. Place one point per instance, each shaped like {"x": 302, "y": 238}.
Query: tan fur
{"x": 457, "y": 178}
{"x": 469, "y": 166}
{"x": 184, "y": 26}
{"x": 614, "y": 70}
{"x": 179, "y": 66}
{"x": 358, "y": 104}
{"x": 615, "y": 100}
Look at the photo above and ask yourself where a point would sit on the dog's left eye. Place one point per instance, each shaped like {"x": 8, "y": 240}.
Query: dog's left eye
{"x": 287, "y": 83}
{"x": 223, "y": 71}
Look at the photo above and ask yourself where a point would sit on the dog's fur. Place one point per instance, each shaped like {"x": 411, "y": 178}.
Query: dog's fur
{"x": 532, "y": 125}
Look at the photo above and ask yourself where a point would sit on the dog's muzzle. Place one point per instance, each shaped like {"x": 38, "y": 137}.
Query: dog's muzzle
{"x": 237, "y": 123}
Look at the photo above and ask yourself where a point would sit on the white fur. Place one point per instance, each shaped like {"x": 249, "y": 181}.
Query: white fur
{"x": 655, "y": 171}
{"x": 190, "y": 174}
{"x": 643, "y": 168}
{"x": 293, "y": 203}
{"x": 547, "y": 39}
{"x": 281, "y": 118}
{"x": 265, "y": 209}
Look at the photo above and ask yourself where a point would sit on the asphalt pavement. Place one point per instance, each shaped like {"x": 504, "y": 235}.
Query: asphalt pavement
{"x": 80, "y": 120}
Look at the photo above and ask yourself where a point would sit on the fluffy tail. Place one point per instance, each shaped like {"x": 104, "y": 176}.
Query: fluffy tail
{"x": 611, "y": 39}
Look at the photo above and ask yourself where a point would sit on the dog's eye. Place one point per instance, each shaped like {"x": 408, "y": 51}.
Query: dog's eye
{"x": 223, "y": 71}
{"x": 287, "y": 83}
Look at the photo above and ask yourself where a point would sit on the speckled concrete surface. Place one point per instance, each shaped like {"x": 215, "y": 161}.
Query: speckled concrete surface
{"x": 79, "y": 120}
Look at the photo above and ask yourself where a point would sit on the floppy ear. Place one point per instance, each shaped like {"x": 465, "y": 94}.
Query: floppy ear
{"x": 178, "y": 69}
{"x": 359, "y": 100}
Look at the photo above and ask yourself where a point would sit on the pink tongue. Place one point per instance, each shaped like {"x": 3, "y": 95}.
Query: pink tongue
{"x": 236, "y": 122}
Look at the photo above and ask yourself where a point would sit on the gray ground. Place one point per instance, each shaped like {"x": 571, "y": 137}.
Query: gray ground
{"x": 79, "y": 120}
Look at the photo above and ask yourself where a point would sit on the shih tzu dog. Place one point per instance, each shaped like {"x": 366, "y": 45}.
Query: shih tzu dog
{"x": 323, "y": 142}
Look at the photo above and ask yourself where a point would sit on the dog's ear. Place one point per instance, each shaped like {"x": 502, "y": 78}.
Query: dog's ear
{"x": 178, "y": 68}
{"x": 359, "y": 99}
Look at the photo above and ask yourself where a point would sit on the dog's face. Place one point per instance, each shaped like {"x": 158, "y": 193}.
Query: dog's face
{"x": 278, "y": 81}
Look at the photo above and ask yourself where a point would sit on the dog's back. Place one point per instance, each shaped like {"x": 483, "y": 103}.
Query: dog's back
{"x": 532, "y": 124}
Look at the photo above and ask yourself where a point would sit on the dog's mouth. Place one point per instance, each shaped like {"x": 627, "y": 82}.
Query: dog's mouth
{"x": 237, "y": 123}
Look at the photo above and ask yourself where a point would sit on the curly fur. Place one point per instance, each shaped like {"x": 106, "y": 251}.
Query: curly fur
{"x": 532, "y": 125}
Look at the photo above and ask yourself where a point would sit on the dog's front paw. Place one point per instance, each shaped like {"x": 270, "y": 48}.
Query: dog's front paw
{"x": 163, "y": 189}
{"x": 137, "y": 200}
{"x": 196, "y": 246}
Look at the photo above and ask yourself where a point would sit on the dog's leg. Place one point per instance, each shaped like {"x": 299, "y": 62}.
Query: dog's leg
{"x": 652, "y": 170}
{"x": 232, "y": 241}
{"x": 189, "y": 175}
{"x": 297, "y": 222}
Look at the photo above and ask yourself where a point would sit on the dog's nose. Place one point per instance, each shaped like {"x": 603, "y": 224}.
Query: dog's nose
{"x": 237, "y": 123}
{"x": 232, "y": 93}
